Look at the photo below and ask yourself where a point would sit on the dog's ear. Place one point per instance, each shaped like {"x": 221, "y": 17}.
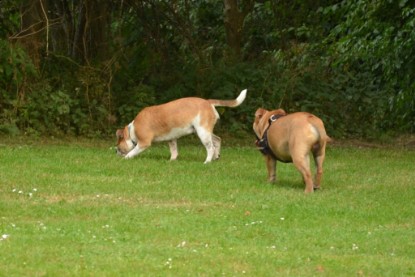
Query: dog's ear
{"x": 260, "y": 112}
{"x": 280, "y": 112}
{"x": 120, "y": 133}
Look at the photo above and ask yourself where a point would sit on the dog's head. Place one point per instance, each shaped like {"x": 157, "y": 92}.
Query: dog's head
{"x": 124, "y": 141}
{"x": 262, "y": 117}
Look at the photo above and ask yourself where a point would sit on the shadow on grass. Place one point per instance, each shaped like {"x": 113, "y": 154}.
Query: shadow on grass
{"x": 288, "y": 183}
{"x": 162, "y": 155}
{"x": 281, "y": 183}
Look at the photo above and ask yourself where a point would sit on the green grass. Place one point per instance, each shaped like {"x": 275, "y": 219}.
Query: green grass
{"x": 77, "y": 209}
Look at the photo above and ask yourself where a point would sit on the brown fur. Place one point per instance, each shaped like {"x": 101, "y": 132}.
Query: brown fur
{"x": 170, "y": 121}
{"x": 291, "y": 138}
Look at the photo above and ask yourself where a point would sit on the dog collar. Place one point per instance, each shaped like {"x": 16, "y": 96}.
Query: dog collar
{"x": 129, "y": 134}
{"x": 262, "y": 143}
{"x": 274, "y": 118}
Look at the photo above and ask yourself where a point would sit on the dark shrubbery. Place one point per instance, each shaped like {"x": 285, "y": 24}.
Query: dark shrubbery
{"x": 350, "y": 62}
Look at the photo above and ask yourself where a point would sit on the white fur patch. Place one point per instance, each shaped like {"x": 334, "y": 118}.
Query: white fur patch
{"x": 132, "y": 136}
{"x": 176, "y": 133}
{"x": 314, "y": 131}
{"x": 134, "y": 152}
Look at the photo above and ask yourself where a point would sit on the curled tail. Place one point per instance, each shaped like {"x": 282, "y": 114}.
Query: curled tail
{"x": 229, "y": 103}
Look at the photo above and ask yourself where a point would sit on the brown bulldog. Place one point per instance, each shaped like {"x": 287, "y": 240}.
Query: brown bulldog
{"x": 170, "y": 121}
{"x": 290, "y": 138}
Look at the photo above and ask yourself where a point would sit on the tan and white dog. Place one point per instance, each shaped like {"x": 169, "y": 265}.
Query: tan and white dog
{"x": 170, "y": 121}
{"x": 290, "y": 138}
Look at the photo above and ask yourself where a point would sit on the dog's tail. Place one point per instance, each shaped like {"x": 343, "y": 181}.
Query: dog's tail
{"x": 318, "y": 125}
{"x": 324, "y": 138}
{"x": 229, "y": 103}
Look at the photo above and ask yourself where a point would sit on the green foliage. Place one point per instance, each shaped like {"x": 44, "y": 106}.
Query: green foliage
{"x": 134, "y": 100}
{"x": 378, "y": 37}
{"x": 350, "y": 105}
{"x": 350, "y": 62}
{"x": 15, "y": 68}
{"x": 9, "y": 17}
{"x": 47, "y": 107}
{"x": 16, "y": 71}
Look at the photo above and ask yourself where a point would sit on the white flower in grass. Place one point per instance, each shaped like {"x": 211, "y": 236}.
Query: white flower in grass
{"x": 169, "y": 262}
{"x": 355, "y": 247}
{"x": 4, "y": 237}
{"x": 182, "y": 244}
{"x": 254, "y": 223}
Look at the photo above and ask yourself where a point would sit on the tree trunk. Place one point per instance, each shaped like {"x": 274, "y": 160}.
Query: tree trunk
{"x": 234, "y": 20}
{"x": 33, "y": 25}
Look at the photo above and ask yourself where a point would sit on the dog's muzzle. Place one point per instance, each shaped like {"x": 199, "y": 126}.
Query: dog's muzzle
{"x": 118, "y": 152}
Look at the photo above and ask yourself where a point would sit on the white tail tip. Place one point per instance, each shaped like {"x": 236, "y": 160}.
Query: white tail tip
{"x": 241, "y": 97}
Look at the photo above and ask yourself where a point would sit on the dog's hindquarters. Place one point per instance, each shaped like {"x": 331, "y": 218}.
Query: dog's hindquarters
{"x": 319, "y": 148}
{"x": 203, "y": 125}
{"x": 212, "y": 142}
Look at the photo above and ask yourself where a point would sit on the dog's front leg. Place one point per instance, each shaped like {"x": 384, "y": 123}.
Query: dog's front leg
{"x": 271, "y": 167}
{"x": 135, "y": 151}
{"x": 173, "y": 150}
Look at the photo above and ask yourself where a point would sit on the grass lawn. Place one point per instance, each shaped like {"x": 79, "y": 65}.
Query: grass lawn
{"x": 77, "y": 209}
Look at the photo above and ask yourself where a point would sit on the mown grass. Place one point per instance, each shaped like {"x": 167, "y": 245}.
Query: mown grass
{"x": 77, "y": 209}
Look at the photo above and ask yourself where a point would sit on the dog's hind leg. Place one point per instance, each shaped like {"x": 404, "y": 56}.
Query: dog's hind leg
{"x": 302, "y": 163}
{"x": 206, "y": 138}
{"x": 210, "y": 149}
{"x": 173, "y": 150}
{"x": 319, "y": 152}
{"x": 216, "y": 144}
